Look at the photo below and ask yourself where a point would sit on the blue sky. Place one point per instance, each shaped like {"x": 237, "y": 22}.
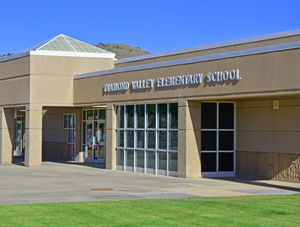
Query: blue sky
{"x": 154, "y": 26}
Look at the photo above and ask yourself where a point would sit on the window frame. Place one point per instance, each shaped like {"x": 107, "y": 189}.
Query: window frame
{"x": 217, "y": 151}
{"x": 156, "y": 149}
{"x": 73, "y": 129}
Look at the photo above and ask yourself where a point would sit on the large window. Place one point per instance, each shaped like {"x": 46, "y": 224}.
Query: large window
{"x": 147, "y": 138}
{"x": 217, "y": 139}
{"x": 70, "y": 125}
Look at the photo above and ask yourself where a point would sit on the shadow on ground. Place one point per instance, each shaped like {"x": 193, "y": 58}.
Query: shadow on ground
{"x": 258, "y": 182}
{"x": 19, "y": 160}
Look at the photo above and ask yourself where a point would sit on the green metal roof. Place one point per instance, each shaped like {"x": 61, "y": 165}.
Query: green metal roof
{"x": 65, "y": 43}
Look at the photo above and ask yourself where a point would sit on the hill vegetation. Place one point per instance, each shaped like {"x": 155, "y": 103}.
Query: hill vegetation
{"x": 122, "y": 50}
{"x": 5, "y": 55}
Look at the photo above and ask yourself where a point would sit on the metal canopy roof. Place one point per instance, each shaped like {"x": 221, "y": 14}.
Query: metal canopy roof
{"x": 65, "y": 43}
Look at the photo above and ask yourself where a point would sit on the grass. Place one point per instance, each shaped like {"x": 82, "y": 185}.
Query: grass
{"x": 225, "y": 211}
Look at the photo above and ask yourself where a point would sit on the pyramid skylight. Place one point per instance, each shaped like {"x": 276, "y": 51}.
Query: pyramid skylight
{"x": 65, "y": 43}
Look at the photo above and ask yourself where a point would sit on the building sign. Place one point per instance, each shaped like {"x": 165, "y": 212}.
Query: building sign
{"x": 175, "y": 81}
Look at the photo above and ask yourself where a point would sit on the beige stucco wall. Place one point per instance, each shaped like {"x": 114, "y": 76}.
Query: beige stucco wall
{"x": 189, "y": 139}
{"x": 262, "y": 74}
{"x": 6, "y": 135}
{"x": 262, "y": 128}
{"x": 267, "y": 42}
{"x": 51, "y": 77}
{"x": 14, "y": 81}
{"x": 110, "y": 137}
{"x": 267, "y": 139}
{"x": 56, "y": 65}
{"x": 14, "y": 91}
{"x": 33, "y": 135}
{"x": 44, "y": 80}
{"x": 15, "y": 68}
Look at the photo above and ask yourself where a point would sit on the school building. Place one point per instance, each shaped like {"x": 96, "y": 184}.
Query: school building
{"x": 219, "y": 110}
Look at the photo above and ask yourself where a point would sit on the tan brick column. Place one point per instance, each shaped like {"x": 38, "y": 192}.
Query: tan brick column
{"x": 33, "y": 135}
{"x": 189, "y": 139}
{"x": 110, "y": 137}
{"x": 7, "y": 123}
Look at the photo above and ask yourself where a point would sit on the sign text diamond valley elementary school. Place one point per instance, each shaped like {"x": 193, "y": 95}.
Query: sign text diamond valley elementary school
{"x": 175, "y": 80}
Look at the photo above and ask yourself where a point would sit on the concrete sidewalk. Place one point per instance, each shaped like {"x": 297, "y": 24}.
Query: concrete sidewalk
{"x": 72, "y": 182}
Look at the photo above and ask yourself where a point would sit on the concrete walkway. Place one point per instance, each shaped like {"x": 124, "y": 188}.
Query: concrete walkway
{"x": 72, "y": 182}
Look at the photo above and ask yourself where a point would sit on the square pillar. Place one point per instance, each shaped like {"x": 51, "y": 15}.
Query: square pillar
{"x": 79, "y": 151}
{"x": 189, "y": 139}
{"x": 110, "y": 137}
{"x": 7, "y": 124}
{"x": 33, "y": 135}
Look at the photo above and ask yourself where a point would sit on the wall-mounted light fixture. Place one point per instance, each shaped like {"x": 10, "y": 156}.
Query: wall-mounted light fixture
{"x": 276, "y": 105}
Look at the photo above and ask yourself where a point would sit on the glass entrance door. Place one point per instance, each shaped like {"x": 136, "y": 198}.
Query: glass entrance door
{"x": 18, "y": 138}
{"x": 95, "y": 141}
{"x": 217, "y": 139}
{"x": 89, "y": 148}
{"x": 101, "y": 142}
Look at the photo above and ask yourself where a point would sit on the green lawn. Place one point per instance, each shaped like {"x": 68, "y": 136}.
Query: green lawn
{"x": 226, "y": 211}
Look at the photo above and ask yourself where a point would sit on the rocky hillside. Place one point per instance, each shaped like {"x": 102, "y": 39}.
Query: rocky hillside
{"x": 122, "y": 50}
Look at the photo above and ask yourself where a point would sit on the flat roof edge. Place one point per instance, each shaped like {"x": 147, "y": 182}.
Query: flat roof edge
{"x": 211, "y": 46}
{"x": 59, "y": 54}
{"x": 72, "y": 54}
{"x": 237, "y": 53}
{"x": 14, "y": 56}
